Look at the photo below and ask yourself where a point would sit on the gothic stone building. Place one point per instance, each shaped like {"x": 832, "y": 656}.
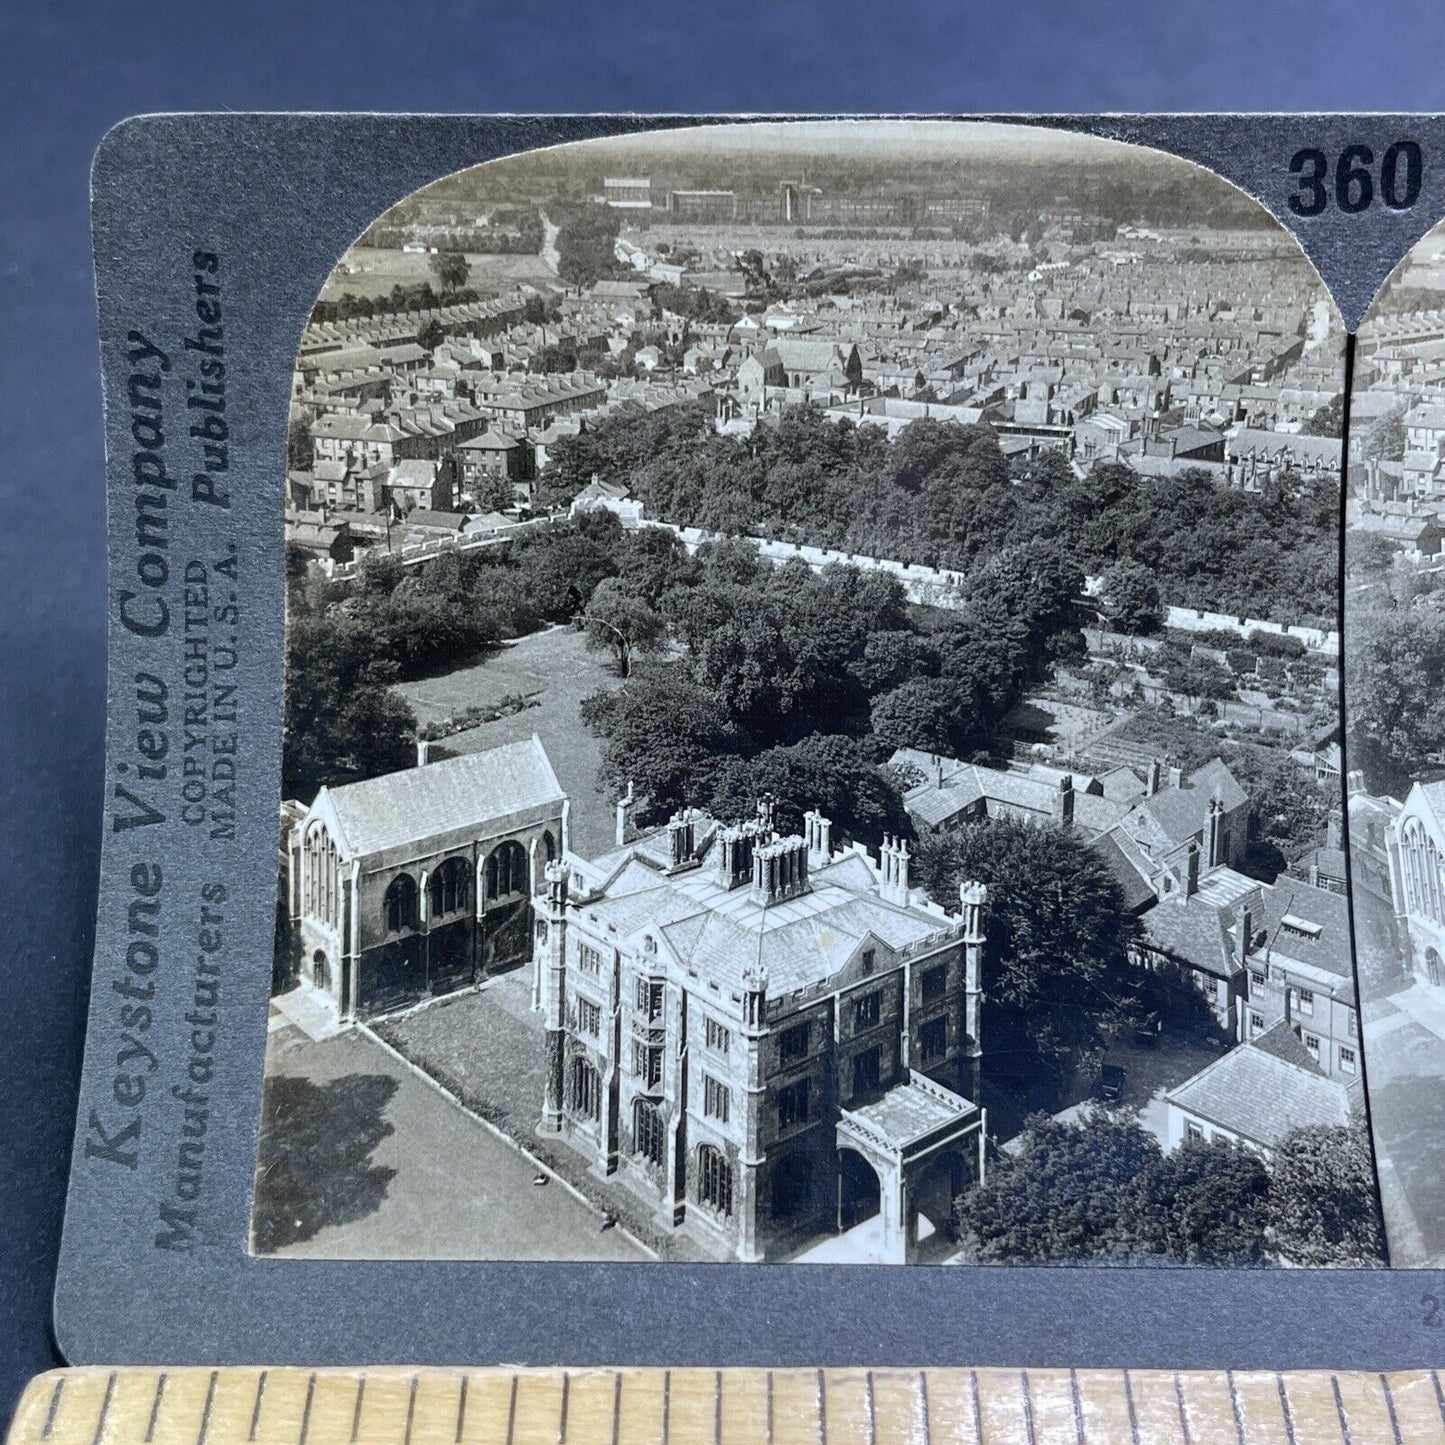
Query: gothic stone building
{"x": 1415, "y": 849}
{"x": 420, "y": 881}
{"x": 764, "y": 1038}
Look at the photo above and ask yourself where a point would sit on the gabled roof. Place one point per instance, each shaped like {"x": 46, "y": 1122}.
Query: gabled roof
{"x": 418, "y": 804}
{"x": 1261, "y": 1096}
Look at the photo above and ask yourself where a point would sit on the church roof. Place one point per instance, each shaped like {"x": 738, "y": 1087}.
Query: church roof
{"x": 458, "y": 794}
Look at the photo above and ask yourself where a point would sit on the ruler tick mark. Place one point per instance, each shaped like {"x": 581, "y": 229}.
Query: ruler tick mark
{"x": 1078, "y": 1406}
{"x": 1237, "y": 1407}
{"x": 666, "y": 1405}
{"x": 1285, "y": 1408}
{"x": 55, "y": 1407}
{"x": 977, "y": 1406}
{"x": 356, "y": 1408}
{"x": 306, "y": 1409}
{"x": 1390, "y": 1406}
{"x": 923, "y": 1407}
{"x": 1028, "y": 1403}
{"x": 616, "y": 1406}
{"x": 512, "y": 1412}
{"x": 1133, "y": 1413}
{"x": 205, "y": 1426}
{"x": 410, "y": 1410}
{"x": 872, "y": 1409}
{"x": 770, "y": 1406}
{"x": 1340, "y": 1411}
{"x": 562, "y": 1422}
{"x": 156, "y": 1407}
{"x": 1439, "y": 1393}
{"x": 105, "y": 1409}
{"x": 822, "y": 1409}
{"x": 717, "y": 1407}
{"x": 461, "y": 1409}
{"x": 1183, "y": 1410}
{"x": 256, "y": 1408}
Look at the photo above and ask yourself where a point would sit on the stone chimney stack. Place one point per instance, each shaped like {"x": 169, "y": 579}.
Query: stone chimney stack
{"x": 818, "y": 831}
{"x": 626, "y": 808}
{"x": 1176, "y": 777}
{"x": 780, "y": 870}
{"x": 765, "y": 816}
{"x": 681, "y": 837}
{"x": 893, "y": 869}
{"x": 1335, "y": 829}
{"x": 423, "y": 752}
{"x": 1245, "y": 933}
{"x": 1151, "y": 784}
{"x": 1064, "y": 803}
{"x": 735, "y": 847}
{"x": 1214, "y": 832}
{"x": 1191, "y": 874}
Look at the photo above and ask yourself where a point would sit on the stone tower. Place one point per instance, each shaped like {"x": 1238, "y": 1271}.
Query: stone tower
{"x": 554, "y": 992}
{"x": 973, "y": 896}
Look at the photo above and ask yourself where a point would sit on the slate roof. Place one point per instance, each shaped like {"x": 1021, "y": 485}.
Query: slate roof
{"x": 1281, "y": 1040}
{"x": 1291, "y": 902}
{"x": 1138, "y": 895}
{"x": 720, "y": 932}
{"x": 1194, "y": 933}
{"x": 1261, "y": 1096}
{"x": 418, "y": 804}
{"x": 437, "y": 521}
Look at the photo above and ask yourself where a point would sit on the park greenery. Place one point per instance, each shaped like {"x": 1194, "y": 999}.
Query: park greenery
{"x": 1101, "y": 1190}
{"x": 943, "y": 494}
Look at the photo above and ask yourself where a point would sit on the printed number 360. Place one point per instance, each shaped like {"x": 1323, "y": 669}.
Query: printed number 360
{"x": 1401, "y": 170}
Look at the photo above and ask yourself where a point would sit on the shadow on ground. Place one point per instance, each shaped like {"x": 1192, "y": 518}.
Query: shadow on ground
{"x": 314, "y": 1167}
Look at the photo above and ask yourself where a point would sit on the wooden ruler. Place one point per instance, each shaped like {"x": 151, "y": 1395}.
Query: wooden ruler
{"x": 505, "y": 1406}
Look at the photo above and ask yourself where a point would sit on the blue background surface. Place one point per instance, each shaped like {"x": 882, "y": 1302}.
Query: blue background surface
{"x": 67, "y": 72}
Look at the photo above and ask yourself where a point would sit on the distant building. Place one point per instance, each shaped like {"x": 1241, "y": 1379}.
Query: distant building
{"x": 762, "y": 1037}
{"x": 628, "y": 193}
{"x": 425, "y": 485}
{"x": 703, "y": 206}
{"x": 419, "y": 882}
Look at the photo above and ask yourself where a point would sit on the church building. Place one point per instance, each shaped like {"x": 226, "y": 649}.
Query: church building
{"x": 766, "y": 1038}
{"x": 1415, "y": 849}
{"x": 421, "y": 881}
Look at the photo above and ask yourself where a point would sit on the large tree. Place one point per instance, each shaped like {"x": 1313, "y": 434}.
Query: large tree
{"x": 1056, "y": 965}
{"x": 343, "y": 722}
{"x": 1395, "y": 681}
{"x": 825, "y": 772}
{"x": 620, "y": 622}
{"x": 664, "y": 735}
{"x": 1201, "y": 1204}
{"x": 1324, "y": 1208}
{"x": 1130, "y": 594}
{"x": 1055, "y": 1196}
{"x": 451, "y": 269}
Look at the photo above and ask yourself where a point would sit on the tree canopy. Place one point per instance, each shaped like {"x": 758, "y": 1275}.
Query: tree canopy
{"x": 942, "y": 493}
{"x": 1057, "y": 970}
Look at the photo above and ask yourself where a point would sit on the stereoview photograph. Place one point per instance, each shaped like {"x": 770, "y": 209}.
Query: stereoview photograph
{"x": 1394, "y": 668}
{"x": 812, "y": 724}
